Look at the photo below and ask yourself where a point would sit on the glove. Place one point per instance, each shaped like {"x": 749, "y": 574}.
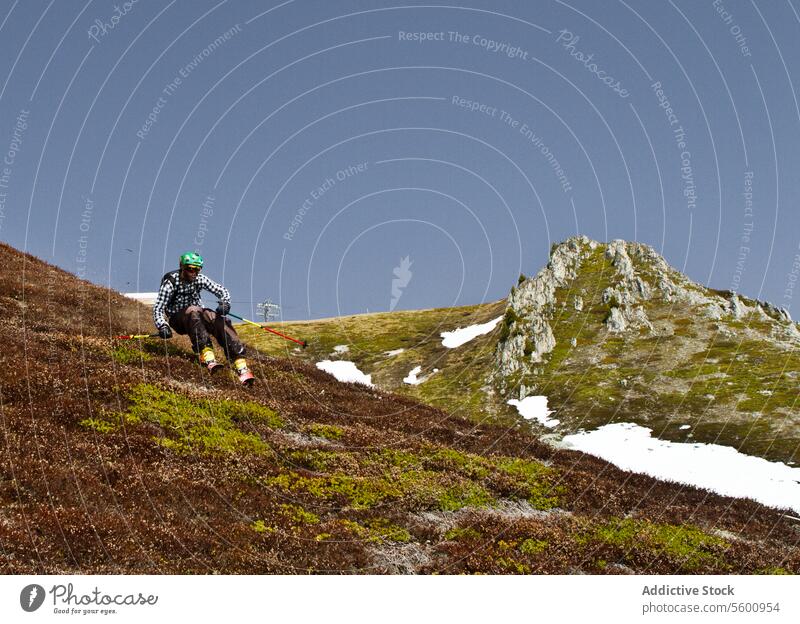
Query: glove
{"x": 223, "y": 308}
{"x": 165, "y": 332}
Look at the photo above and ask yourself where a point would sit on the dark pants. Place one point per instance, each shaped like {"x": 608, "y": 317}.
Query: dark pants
{"x": 199, "y": 322}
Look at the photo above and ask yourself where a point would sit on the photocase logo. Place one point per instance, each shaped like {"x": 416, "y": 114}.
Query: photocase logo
{"x": 31, "y": 597}
{"x": 403, "y": 275}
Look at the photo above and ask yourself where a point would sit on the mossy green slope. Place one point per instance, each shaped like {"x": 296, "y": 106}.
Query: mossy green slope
{"x": 189, "y": 425}
{"x": 462, "y": 376}
{"x": 690, "y": 378}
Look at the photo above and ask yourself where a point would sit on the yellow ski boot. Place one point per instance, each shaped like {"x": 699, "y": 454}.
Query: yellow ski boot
{"x": 246, "y": 378}
{"x": 209, "y": 360}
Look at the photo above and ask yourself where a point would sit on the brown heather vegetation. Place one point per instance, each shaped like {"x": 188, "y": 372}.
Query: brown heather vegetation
{"x": 128, "y": 458}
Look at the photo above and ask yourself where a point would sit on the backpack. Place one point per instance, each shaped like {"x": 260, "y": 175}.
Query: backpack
{"x": 172, "y": 278}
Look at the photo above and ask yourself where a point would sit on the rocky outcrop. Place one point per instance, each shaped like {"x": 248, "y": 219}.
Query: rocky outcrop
{"x": 616, "y": 252}
{"x": 628, "y": 317}
{"x": 736, "y": 308}
{"x": 779, "y": 314}
{"x": 527, "y": 335}
{"x": 640, "y": 278}
{"x": 615, "y": 321}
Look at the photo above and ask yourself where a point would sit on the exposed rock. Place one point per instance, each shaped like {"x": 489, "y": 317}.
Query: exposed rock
{"x": 637, "y": 317}
{"x": 642, "y": 288}
{"x": 566, "y": 257}
{"x": 542, "y": 338}
{"x": 578, "y": 303}
{"x": 779, "y": 314}
{"x": 618, "y": 255}
{"x": 692, "y": 297}
{"x": 712, "y": 311}
{"x": 622, "y": 317}
{"x": 535, "y": 293}
{"x": 615, "y": 296}
{"x": 762, "y": 314}
{"x": 539, "y": 339}
{"x": 736, "y": 307}
{"x": 509, "y": 354}
{"x": 616, "y": 321}
{"x": 531, "y": 305}
{"x": 667, "y": 288}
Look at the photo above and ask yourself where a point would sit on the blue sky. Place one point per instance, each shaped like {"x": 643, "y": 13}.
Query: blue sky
{"x": 307, "y": 148}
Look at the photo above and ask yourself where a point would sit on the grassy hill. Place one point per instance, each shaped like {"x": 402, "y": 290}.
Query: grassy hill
{"x": 609, "y": 333}
{"x": 388, "y": 345}
{"x": 126, "y": 457}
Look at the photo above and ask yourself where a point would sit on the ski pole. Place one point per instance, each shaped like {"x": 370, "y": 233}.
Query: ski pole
{"x": 136, "y": 336}
{"x": 302, "y": 343}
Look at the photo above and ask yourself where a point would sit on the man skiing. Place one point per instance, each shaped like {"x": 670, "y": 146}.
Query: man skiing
{"x": 178, "y": 306}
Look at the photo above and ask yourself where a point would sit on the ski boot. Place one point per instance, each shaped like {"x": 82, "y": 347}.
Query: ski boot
{"x": 209, "y": 360}
{"x": 246, "y": 378}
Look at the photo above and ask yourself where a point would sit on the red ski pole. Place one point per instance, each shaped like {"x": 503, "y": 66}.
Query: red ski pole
{"x": 302, "y": 343}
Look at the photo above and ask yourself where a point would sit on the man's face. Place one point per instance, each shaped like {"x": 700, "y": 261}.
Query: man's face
{"x": 189, "y": 273}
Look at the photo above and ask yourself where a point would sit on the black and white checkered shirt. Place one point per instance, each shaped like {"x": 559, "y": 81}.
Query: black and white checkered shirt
{"x": 185, "y": 294}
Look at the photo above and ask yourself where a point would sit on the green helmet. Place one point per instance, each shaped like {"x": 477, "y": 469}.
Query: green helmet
{"x": 191, "y": 258}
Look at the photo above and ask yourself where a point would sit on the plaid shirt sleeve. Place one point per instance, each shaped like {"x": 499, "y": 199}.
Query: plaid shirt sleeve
{"x": 217, "y": 289}
{"x": 164, "y": 293}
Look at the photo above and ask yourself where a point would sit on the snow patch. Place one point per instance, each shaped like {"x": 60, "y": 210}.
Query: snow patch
{"x": 685, "y": 427}
{"x": 147, "y": 298}
{"x": 458, "y": 337}
{"x": 412, "y": 378}
{"x": 341, "y": 349}
{"x": 393, "y": 352}
{"x": 535, "y": 408}
{"x": 345, "y": 371}
{"x": 721, "y": 469}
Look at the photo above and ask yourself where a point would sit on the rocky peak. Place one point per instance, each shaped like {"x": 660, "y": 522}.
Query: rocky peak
{"x": 639, "y": 278}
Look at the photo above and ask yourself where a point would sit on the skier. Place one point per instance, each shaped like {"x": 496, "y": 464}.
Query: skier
{"x": 179, "y": 298}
